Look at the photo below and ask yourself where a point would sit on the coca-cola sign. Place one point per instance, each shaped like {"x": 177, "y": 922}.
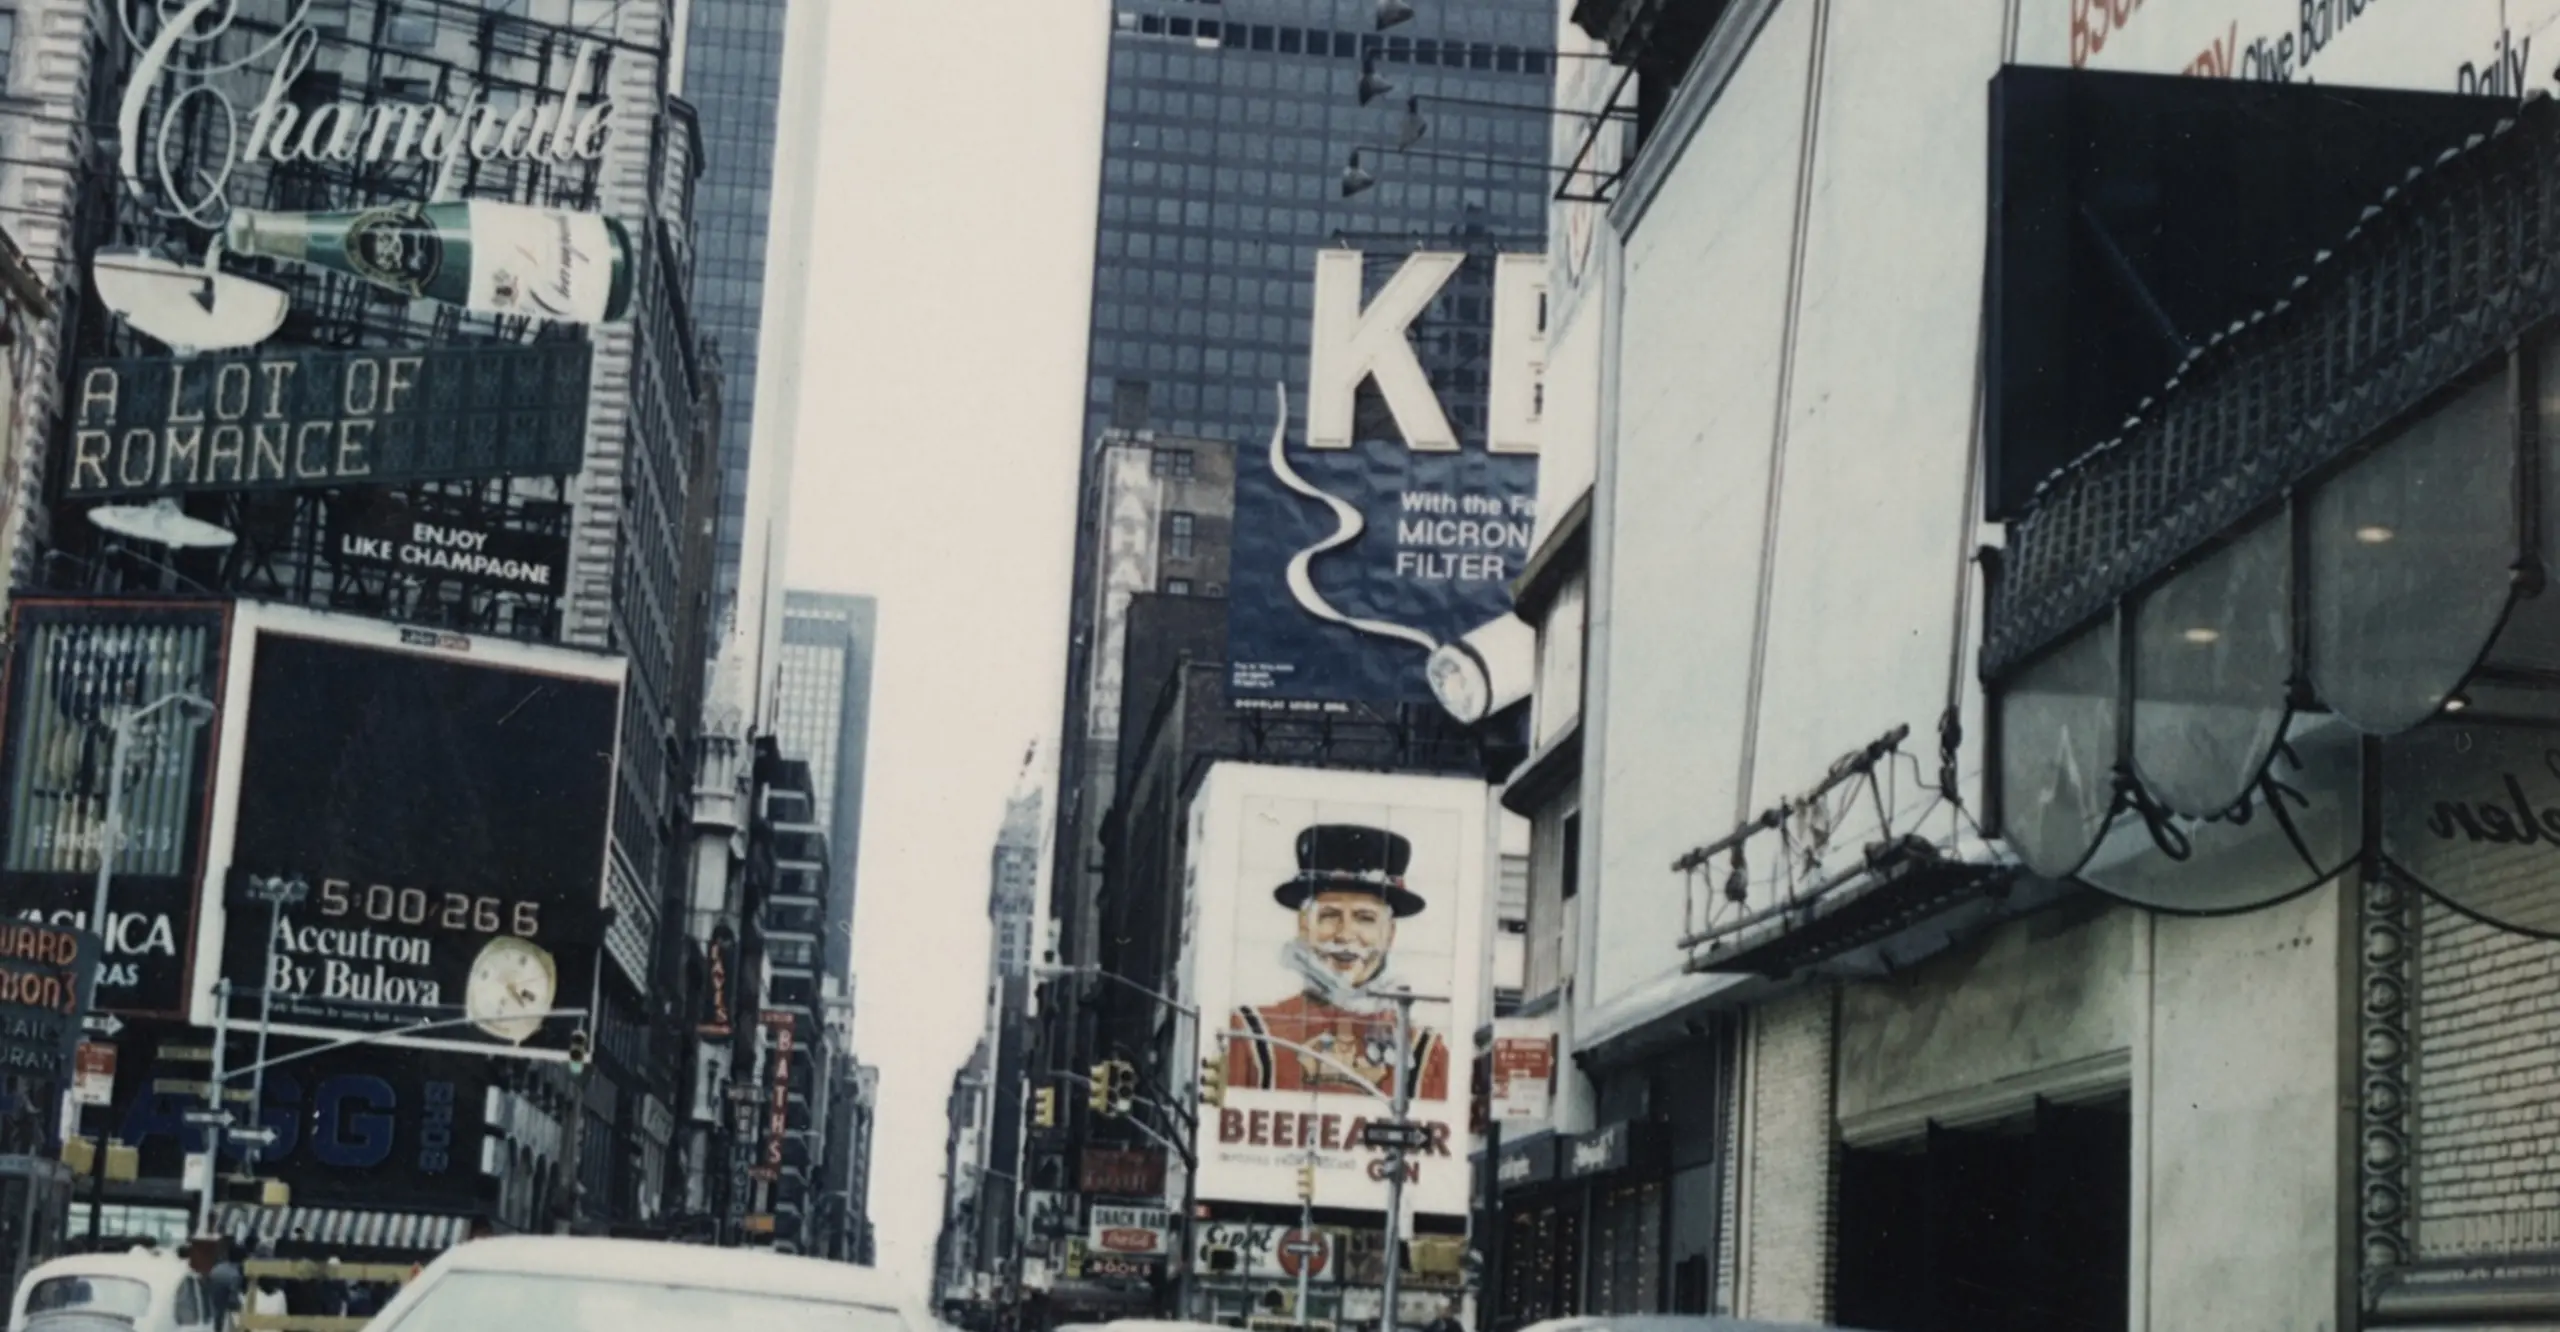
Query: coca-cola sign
{"x": 1133, "y": 1230}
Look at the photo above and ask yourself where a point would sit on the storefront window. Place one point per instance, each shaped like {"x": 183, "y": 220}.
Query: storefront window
{"x": 1626, "y": 1249}
{"x": 1542, "y": 1263}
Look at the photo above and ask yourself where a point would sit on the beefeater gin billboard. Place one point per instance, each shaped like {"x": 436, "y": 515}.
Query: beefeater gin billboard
{"x": 1316, "y": 895}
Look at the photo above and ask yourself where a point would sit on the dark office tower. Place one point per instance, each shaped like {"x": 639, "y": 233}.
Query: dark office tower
{"x": 733, "y": 77}
{"x": 1229, "y": 130}
{"x": 823, "y": 717}
{"x": 1228, "y": 135}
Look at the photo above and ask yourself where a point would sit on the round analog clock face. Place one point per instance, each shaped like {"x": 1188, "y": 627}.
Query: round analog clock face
{"x": 511, "y": 988}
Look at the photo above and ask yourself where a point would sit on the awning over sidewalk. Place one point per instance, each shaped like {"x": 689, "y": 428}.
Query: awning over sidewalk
{"x": 342, "y": 1228}
{"x": 2299, "y": 609}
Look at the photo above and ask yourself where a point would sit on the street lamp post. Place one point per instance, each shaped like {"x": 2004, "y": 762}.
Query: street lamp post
{"x": 1387, "y": 1319}
{"x": 194, "y": 711}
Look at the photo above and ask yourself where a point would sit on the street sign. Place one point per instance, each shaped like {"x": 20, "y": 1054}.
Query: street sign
{"x": 1410, "y": 1137}
{"x": 1303, "y": 1251}
{"x": 104, "y": 1024}
{"x": 209, "y": 1118}
{"x": 1132, "y": 1231}
{"x": 93, "y": 1074}
{"x": 259, "y": 1136}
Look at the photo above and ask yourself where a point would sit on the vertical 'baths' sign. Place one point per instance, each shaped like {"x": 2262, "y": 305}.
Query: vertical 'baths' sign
{"x": 1374, "y": 537}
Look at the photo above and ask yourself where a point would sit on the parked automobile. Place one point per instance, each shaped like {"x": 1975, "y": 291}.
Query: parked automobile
{"x": 143, "y": 1290}
{"x": 564, "y": 1284}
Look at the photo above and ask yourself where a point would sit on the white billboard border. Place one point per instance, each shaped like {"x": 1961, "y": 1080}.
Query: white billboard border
{"x": 249, "y": 619}
{"x": 1213, "y": 841}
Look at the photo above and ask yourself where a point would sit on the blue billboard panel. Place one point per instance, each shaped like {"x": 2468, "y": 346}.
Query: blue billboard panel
{"x": 1392, "y": 505}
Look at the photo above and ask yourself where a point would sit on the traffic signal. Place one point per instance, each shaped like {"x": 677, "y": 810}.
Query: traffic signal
{"x": 1306, "y": 1181}
{"x": 1213, "y": 1081}
{"x": 1125, "y": 1095}
{"x": 1044, "y": 1107}
{"x": 578, "y": 1053}
{"x": 1100, "y": 1086}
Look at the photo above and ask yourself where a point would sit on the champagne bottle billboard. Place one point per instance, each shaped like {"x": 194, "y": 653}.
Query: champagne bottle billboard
{"x": 494, "y": 258}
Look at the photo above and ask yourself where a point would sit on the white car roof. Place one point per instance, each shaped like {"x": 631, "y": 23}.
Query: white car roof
{"x": 693, "y": 1265}
{"x": 148, "y": 1266}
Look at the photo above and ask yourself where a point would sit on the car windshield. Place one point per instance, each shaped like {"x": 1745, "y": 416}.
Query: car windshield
{"x": 121, "y": 1296}
{"x": 477, "y": 1301}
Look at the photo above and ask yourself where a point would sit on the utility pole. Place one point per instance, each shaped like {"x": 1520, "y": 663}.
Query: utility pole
{"x": 278, "y": 893}
{"x": 218, "y": 1117}
{"x": 1387, "y": 1319}
{"x": 1306, "y": 1230}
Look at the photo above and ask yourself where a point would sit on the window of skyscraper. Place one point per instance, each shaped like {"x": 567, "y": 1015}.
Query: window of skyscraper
{"x": 1178, "y": 536}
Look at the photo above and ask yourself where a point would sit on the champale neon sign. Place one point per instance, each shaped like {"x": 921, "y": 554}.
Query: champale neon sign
{"x": 569, "y": 129}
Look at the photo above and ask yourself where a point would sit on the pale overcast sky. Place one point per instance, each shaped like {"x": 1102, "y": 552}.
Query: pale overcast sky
{"x": 940, "y": 410}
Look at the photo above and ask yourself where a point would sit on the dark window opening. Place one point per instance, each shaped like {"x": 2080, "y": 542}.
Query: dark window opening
{"x": 1570, "y": 870}
{"x": 2021, "y": 1224}
{"x": 1129, "y": 404}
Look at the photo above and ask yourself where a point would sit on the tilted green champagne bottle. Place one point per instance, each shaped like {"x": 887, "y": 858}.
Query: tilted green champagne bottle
{"x": 496, "y": 258}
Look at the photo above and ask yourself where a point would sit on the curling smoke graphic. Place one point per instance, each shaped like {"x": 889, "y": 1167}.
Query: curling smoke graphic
{"x": 1349, "y": 525}
{"x": 1487, "y": 670}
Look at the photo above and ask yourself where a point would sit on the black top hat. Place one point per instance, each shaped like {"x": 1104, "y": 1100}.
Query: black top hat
{"x": 1349, "y": 858}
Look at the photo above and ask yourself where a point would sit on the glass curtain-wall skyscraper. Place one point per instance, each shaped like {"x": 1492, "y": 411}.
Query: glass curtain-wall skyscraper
{"x": 733, "y": 77}
{"x": 1228, "y": 131}
{"x": 823, "y": 716}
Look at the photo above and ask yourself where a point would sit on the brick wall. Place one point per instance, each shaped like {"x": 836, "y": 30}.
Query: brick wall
{"x": 2486, "y": 1088}
{"x": 1786, "y": 1239}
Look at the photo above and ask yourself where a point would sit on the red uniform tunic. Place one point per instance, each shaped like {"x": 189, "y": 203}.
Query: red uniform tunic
{"x": 1364, "y": 1041}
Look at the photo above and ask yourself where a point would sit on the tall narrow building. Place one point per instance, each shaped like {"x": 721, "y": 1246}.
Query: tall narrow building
{"x": 1228, "y": 136}
{"x": 733, "y": 77}
{"x": 1242, "y": 139}
{"x": 823, "y": 715}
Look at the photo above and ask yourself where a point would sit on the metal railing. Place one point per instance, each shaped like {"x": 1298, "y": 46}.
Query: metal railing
{"x": 2454, "y": 266}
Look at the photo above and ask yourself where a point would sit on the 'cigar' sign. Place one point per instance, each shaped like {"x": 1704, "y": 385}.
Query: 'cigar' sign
{"x": 283, "y": 421}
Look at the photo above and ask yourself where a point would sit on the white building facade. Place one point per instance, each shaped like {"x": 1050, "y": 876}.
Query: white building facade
{"x": 1903, "y": 972}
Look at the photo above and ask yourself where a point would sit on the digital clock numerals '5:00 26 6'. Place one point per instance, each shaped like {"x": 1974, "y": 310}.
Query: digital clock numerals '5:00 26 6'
{"x": 458, "y": 912}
